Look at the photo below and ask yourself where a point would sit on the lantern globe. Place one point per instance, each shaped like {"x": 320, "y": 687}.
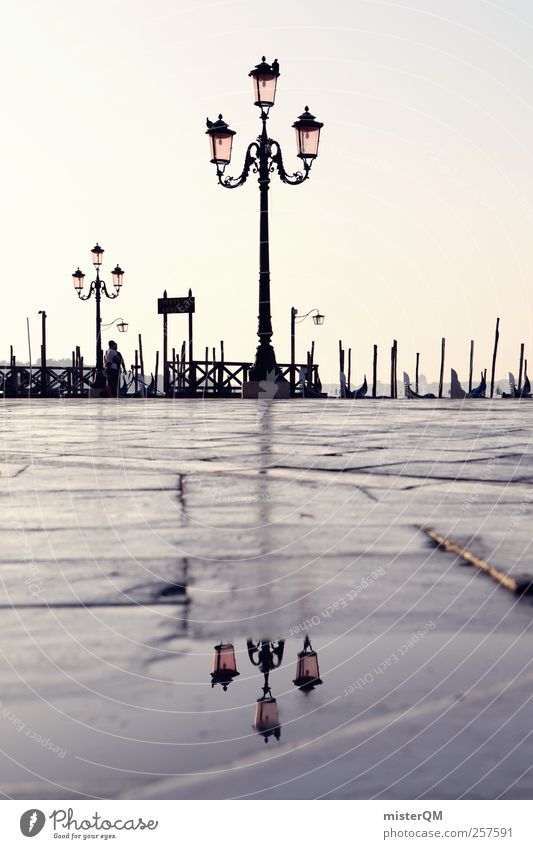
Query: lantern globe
{"x": 78, "y": 278}
{"x": 97, "y": 254}
{"x": 118, "y": 277}
{"x": 307, "y": 135}
{"x": 122, "y": 326}
{"x": 264, "y": 79}
{"x": 318, "y": 318}
{"x": 220, "y": 141}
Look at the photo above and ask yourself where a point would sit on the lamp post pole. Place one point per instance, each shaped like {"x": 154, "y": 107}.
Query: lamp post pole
{"x": 294, "y": 313}
{"x": 100, "y": 380}
{"x": 263, "y": 156}
{"x": 265, "y": 365}
{"x": 98, "y": 287}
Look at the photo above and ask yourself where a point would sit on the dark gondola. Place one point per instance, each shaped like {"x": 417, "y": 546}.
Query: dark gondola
{"x": 363, "y": 389}
{"x": 479, "y": 391}
{"x": 357, "y": 393}
{"x": 410, "y": 393}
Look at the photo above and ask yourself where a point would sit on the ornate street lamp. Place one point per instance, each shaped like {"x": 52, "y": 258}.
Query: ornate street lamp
{"x": 318, "y": 319}
{"x": 262, "y": 156}
{"x": 97, "y": 288}
{"x": 266, "y": 720}
{"x": 307, "y": 671}
{"x": 224, "y": 665}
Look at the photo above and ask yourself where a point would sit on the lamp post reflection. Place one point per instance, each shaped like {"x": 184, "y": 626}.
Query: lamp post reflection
{"x": 266, "y": 720}
{"x": 307, "y": 671}
{"x": 224, "y": 665}
{"x": 265, "y": 654}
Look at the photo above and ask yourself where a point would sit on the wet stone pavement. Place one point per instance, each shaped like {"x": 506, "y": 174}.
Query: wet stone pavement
{"x": 137, "y": 535}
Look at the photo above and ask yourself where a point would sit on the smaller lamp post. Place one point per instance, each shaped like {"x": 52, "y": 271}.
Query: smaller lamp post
{"x": 266, "y": 720}
{"x": 318, "y": 319}
{"x": 122, "y": 326}
{"x": 224, "y": 665}
{"x": 307, "y": 671}
{"x": 98, "y": 287}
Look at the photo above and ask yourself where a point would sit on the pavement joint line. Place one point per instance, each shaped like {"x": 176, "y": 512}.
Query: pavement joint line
{"x": 521, "y": 585}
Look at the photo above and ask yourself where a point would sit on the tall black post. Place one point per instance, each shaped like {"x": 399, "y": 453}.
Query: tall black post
{"x": 165, "y": 347}
{"x": 100, "y": 380}
{"x": 265, "y": 365}
{"x": 44, "y": 375}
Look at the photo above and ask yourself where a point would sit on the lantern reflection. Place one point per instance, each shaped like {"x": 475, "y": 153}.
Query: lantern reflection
{"x": 266, "y": 721}
{"x": 224, "y": 665}
{"x": 307, "y": 671}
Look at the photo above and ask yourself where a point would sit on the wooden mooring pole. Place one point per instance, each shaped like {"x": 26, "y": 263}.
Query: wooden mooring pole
{"x": 416, "y": 372}
{"x": 374, "y": 370}
{"x": 494, "y": 354}
{"x": 141, "y": 358}
{"x": 520, "y": 371}
{"x": 471, "y": 371}
{"x": 441, "y": 375}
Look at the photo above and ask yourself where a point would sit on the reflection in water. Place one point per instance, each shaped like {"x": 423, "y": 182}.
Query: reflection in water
{"x": 307, "y": 671}
{"x": 224, "y": 665}
{"x": 266, "y": 655}
{"x": 266, "y": 721}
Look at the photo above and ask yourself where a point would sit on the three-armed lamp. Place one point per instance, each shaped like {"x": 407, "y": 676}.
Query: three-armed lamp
{"x": 98, "y": 288}
{"x": 263, "y": 157}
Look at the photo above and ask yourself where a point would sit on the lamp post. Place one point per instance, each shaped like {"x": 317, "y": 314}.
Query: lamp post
{"x": 318, "y": 319}
{"x": 98, "y": 287}
{"x": 262, "y": 156}
{"x": 122, "y": 326}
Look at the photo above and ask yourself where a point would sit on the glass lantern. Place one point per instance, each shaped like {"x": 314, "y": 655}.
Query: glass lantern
{"x": 97, "y": 254}
{"x": 220, "y": 141}
{"x": 78, "y": 278}
{"x": 118, "y": 277}
{"x": 318, "y": 318}
{"x": 264, "y": 80}
{"x": 307, "y": 135}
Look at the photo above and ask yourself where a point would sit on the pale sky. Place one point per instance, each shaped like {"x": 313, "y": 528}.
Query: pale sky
{"x": 417, "y": 221}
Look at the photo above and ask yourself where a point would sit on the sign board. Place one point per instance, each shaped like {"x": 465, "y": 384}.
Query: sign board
{"x": 173, "y": 305}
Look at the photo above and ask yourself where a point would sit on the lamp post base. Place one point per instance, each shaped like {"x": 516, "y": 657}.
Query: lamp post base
{"x": 266, "y": 390}
{"x": 265, "y": 367}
